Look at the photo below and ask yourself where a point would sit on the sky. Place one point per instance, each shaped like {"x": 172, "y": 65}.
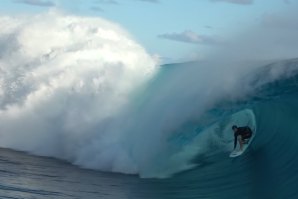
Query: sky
{"x": 174, "y": 30}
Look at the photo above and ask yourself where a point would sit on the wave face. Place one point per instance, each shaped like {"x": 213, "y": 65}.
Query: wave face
{"x": 85, "y": 92}
{"x": 268, "y": 169}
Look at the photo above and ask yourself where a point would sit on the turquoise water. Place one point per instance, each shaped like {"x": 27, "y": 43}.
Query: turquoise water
{"x": 193, "y": 162}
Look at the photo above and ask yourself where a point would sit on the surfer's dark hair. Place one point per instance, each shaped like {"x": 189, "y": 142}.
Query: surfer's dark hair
{"x": 234, "y": 127}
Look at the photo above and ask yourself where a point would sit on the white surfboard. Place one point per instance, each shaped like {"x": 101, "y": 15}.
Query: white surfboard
{"x": 237, "y": 151}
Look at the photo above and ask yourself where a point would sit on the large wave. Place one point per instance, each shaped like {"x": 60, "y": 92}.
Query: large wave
{"x": 81, "y": 89}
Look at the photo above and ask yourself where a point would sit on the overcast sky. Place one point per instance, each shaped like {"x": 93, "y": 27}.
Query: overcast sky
{"x": 175, "y": 30}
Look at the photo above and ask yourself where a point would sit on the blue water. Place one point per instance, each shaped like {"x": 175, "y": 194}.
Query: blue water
{"x": 268, "y": 169}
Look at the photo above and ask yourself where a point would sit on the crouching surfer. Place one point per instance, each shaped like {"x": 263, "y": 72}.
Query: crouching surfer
{"x": 241, "y": 134}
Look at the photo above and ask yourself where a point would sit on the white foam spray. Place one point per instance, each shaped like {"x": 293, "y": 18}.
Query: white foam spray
{"x": 63, "y": 82}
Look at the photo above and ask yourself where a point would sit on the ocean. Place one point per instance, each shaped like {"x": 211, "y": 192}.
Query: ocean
{"x": 268, "y": 169}
{"x": 86, "y": 112}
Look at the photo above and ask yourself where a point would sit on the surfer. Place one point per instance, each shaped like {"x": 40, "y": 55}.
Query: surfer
{"x": 241, "y": 134}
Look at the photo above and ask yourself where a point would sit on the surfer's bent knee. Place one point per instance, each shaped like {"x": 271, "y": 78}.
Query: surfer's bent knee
{"x": 239, "y": 138}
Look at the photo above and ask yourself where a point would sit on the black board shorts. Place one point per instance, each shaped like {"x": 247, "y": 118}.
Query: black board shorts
{"x": 246, "y": 135}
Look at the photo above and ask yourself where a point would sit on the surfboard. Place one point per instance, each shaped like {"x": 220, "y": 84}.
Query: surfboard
{"x": 237, "y": 151}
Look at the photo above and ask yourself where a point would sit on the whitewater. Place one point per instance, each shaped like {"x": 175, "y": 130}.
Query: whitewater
{"x": 87, "y": 94}
{"x": 63, "y": 90}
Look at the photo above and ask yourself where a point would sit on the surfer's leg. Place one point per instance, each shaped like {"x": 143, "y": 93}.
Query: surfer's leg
{"x": 246, "y": 137}
{"x": 240, "y": 142}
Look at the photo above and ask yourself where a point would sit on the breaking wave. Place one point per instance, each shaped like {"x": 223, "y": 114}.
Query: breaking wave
{"x": 86, "y": 92}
